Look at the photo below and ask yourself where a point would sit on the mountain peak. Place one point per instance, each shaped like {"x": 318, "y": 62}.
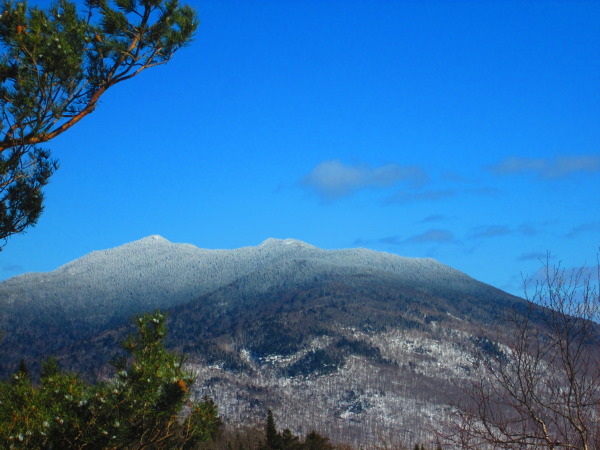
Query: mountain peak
{"x": 270, "y": 242}
{"x": 154, "y": 238}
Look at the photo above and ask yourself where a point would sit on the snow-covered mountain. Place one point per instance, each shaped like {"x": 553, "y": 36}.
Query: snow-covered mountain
{"x": 155, "y": 273}
{"x": 370, "y": 339}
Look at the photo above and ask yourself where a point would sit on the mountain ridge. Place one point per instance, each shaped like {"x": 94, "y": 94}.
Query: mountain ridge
{"x": 256, "y": 319}
{"x": 204, "y": 258}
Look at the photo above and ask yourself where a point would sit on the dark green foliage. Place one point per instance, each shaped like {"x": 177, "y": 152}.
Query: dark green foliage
{"x": 289, "y": 441}
{"x": 357, "y": 347}
{"x": 488, "y": 349}
{"x": 235, "y": 438}
{"x": 54, "y": 66}
{"x": 23, "y": 372}
{"x": 272, "y": 337}
{"x": 319, "y": 362}
{"x": 274, "y": 440}
{"x": 50, "y": 368}
{"x": 272, "y": 437}
{"x": 140, "y": 407}
{"x": 24, "y": 171}
{"x": 314, "y": 441}
{"x": 361, "y": 348}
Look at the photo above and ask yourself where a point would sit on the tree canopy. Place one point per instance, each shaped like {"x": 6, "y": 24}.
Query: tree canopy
{"x": 54, "y": 67}
{"x": 146, "y": 405}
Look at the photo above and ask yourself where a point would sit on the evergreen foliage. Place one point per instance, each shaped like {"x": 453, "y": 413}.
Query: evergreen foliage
{"x": 318, "y": 361}
{"x": 391, "y": 383}
{"x": 289, "y": 440}
{"x": 314, "y": 441}
{"x": 24, "y": 171}
{"x": 272, "y": 437}
{"x": 145, "y": 406}
{"x": 54, "y": 66}
{"x": 274, "y": 440}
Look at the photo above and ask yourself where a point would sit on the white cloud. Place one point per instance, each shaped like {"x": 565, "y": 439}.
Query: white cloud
{"x": 549, "y": 168}
{"x": 333, "y": 179}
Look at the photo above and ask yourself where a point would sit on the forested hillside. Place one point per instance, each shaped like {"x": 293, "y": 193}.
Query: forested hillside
{"x": 372, "y": 341}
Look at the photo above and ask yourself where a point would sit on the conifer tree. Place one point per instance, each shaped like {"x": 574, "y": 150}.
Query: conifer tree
{"x": 55, "y": 65}
{"x": 147, "y": 405}
{"x": 271, "y": 434}
{"x": 23, "y": 371}
{"x": 314, "y": 441}
{"x": 289, "y": 441}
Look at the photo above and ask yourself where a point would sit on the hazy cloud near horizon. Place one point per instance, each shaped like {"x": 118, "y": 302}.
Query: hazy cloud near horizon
{"x": 540, "y": 256}
{"x": 584, "y": 228}
{"x": 547, "y": 168}
{"x": 430, "y": 236}
{"x": 334, "y": 179}
{"x": 12, "y": 267}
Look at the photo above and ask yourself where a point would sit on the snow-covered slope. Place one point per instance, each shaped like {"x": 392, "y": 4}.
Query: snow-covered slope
{"x": 369, "y": 339}
{"x": 155, "y": 273}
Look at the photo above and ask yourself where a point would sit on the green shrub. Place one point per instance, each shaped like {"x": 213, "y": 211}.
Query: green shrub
{"x": 147, "y": 404}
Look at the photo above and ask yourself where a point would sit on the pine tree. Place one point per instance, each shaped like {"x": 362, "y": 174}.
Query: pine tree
{"x": 289, "y": 441}
{"x": 146, "y": 405}
{"x": 22, "y": 370}
{"x": 273, "y": 440}
{"x": 54, "y": 66}
{"x": 314, "y": 441}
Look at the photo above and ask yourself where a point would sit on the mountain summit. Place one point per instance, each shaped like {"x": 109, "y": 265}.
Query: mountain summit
{"x": 155, "y": 273}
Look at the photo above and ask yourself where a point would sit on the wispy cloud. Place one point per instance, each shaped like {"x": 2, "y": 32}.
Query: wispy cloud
{"x": 432, "y": 195}
{"x": 333, "y": 179}
{"x": 432, "y": 236}
{"x": 560, "y": 167}
{"x": 433, "y": 218}
{"x": 403, "y": 196}
{"x": 485, "y": 190}
{"x": 455, "y": 177}
{"x": 539, "y": 256}
{"x": 490, "y": 231}
{"x": 593, "y": 227}
{"x": 572, "y": 277}
{"x": 390, "y": 240}
{"x": 12, "y": 268}
{"x": 527, "y": 229}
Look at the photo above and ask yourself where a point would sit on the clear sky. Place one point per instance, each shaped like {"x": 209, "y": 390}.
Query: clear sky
{"x": 466, "y": 131}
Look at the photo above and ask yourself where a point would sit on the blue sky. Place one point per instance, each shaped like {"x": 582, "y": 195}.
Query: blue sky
{"x": 466, "y": 131}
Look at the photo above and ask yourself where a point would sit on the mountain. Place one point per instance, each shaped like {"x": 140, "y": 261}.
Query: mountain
{"x": 370, "y": 340}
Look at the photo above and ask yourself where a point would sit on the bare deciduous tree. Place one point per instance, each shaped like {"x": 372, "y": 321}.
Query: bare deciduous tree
{"x": 543, "y": 388}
